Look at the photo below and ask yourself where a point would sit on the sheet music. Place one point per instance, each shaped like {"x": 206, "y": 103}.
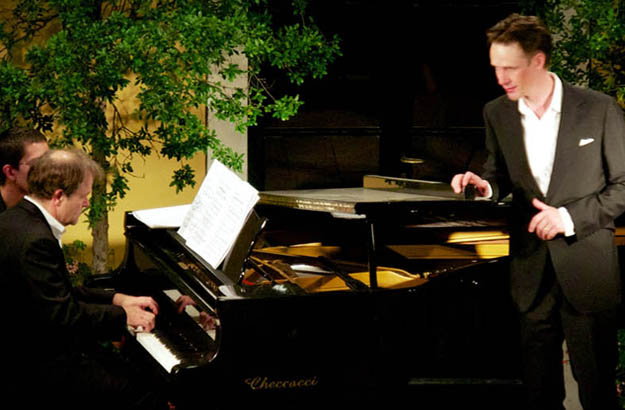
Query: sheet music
{"x": 217, "y": 214}
{"x": 166, "y": 217}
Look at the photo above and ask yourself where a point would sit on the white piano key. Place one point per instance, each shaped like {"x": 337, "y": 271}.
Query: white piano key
{"x": 158, "y": 350}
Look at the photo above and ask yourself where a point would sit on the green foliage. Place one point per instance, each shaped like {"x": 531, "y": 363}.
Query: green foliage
{"x": 19, "y": 99}
{"x": 175, "y": 52}
{"x": 590, "y": 42}
{"x": 78, "y": 271}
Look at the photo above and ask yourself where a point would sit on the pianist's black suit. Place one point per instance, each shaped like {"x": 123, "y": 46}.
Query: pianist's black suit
{"x": 588, "y": 178}
{"x": 51, "y": 328}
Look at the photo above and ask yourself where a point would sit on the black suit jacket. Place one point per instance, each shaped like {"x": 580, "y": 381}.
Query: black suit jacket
{"x": 588, "y": 179}
{"x": 46, "y": 318}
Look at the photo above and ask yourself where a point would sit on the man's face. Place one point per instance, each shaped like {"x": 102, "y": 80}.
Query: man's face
{"x": 70, "y": 207}
{"x": 32, "y": 151}
{"x": 516, "y": 72}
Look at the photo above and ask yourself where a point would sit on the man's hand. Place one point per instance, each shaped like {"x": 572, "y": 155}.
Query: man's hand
{"x": 547, "y": 223}
{"x": 208, "y": 322}
{"x": 140, "y": 319}
{"x": 183, "y": 301}
{"x": 460, "y": 181}
{"x": 140, "y": 311}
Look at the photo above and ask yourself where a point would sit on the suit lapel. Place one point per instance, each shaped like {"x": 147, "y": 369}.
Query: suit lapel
{"x": 566, "y": 142}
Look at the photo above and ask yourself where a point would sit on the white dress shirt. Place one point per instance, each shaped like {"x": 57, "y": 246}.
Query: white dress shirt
{"x": 541, "y": 136}
{"x": 57, "y": 228}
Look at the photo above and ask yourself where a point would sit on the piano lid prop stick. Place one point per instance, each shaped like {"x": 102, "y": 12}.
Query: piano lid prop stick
{"x": 352, "y": 283}
{"x": 256, "y": 265}
{"x": 261, "y": 265}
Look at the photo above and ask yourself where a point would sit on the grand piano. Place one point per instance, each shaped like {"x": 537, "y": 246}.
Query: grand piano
{"x": 391, "y": 293}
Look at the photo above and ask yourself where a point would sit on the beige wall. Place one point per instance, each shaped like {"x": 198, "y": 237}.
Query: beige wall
{"x": 225, "y": 130}
{"x": 149, "y": 189}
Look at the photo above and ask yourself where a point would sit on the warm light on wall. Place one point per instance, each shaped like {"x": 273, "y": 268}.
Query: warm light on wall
{"x": 149, "y": 187}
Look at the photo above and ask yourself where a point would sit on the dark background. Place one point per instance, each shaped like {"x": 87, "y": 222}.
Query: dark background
{"x": 409, "y": 70}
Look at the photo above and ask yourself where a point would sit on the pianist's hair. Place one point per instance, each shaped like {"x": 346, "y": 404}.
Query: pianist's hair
{"x": 12, "y": 142}
{"x": 528, "y": 31}
{"x": 61, "y": 169}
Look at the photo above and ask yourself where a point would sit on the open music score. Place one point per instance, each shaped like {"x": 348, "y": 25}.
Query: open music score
{"x": 217, "y": 214}
{"x": 166, "y": 217}
{"x": 211, "y": 223}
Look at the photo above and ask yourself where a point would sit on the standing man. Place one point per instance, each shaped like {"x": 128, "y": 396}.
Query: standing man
{"x": 54, "y": 329}
{"x": 560, "y": 151}
{"x": 19, "y": 147}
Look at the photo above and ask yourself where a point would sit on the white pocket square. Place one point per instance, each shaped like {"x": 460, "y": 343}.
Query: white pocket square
{"x": 585, "y": 141}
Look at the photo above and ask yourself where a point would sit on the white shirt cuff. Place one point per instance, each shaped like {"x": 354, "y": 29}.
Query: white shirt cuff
{"x": 489, "y": 192}
{"x": 569, "y": 227}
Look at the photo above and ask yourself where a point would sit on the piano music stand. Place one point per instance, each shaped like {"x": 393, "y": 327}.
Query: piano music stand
{"x": 231, "y": 271}
{"x": 242, "y": 248}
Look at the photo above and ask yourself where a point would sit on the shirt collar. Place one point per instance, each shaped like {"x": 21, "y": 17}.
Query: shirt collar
{"x": 57, "y": 228}
{"x": 556, "y": 98}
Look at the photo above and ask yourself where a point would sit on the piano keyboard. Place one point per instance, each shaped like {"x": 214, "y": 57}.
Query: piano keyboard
{"x": 170, "y": 345}
{"x": 158, "y": 350}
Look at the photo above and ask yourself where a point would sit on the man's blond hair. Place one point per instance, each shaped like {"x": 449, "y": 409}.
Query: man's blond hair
{"x": 61, "y": 169}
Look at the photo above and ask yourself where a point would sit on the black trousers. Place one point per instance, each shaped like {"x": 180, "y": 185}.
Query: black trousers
{"x": 592, "y": 346}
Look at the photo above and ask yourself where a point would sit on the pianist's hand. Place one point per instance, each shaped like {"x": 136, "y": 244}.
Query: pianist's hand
{"x": 184, "y": 301}
{"x": 140, "y": 311}
{"x": 208, "y": 322}
{"x": 460, "y": 181}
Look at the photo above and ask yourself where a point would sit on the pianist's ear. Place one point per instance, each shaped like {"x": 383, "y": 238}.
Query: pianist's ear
{"x": 57, "y": 196}
{"x": 9, "y": 171}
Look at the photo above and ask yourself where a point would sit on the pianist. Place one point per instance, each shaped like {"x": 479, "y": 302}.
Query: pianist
{"x": 19, "y": 147}
{"x": 52, "y": 330}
